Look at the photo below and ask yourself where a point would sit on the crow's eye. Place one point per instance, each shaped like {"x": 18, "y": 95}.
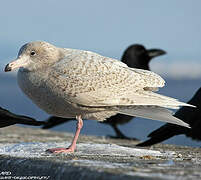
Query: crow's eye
{"x": 33, "y": 53}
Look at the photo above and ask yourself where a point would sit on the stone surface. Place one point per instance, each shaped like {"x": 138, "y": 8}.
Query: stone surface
{"x": 22, "y": 154}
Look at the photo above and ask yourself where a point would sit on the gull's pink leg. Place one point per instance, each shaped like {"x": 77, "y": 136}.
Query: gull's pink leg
{"x": 72, "y": 147}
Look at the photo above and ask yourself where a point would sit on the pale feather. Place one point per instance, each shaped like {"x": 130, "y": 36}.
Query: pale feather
{"x": 155, "y": 113}
{"x": 102, "y": 81}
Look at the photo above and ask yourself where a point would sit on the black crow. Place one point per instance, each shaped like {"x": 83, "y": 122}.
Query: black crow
{"x": 7, "y": 118}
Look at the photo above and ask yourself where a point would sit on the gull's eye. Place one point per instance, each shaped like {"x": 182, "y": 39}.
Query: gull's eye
{"x": 33, "y": 53}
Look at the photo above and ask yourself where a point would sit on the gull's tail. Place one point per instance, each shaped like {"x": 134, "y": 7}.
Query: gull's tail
{"x": 152, "y": 112}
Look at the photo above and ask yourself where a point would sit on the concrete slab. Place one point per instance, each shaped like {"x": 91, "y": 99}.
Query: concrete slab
{"x": 22, "y": 155}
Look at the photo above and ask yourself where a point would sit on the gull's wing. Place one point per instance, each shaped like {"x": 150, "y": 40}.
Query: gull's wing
{"x": 89, "y": 79}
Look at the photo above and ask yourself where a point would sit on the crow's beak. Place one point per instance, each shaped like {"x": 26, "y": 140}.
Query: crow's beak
{"x": 155, "y": 52}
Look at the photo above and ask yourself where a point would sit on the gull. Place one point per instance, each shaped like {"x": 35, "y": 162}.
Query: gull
{"x": 135, "y": 56}
{"x": 80, "y": 84}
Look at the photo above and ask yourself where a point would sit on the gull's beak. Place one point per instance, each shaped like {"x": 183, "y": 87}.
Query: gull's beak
{"x": 19, "y": 62}
{"x": 155, "y": 52}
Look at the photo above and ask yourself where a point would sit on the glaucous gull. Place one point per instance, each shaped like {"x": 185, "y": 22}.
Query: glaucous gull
{"x": 135, "y": 56}
{"x": 75, "y": 83}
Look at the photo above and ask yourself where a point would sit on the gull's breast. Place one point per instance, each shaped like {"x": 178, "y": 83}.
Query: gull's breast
{"x": 34, "y": 85}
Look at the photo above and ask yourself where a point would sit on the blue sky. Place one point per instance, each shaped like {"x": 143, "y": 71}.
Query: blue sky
{"x": 106, "y": 27}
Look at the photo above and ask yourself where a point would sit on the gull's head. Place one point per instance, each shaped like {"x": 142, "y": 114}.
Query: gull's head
{"x": 35, "y": 55}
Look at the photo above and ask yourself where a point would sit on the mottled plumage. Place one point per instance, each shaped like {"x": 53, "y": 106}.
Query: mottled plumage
{"x": 135, "y": 56}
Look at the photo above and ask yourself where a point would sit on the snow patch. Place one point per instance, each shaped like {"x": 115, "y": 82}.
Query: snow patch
{"x": 38, "y": 150}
